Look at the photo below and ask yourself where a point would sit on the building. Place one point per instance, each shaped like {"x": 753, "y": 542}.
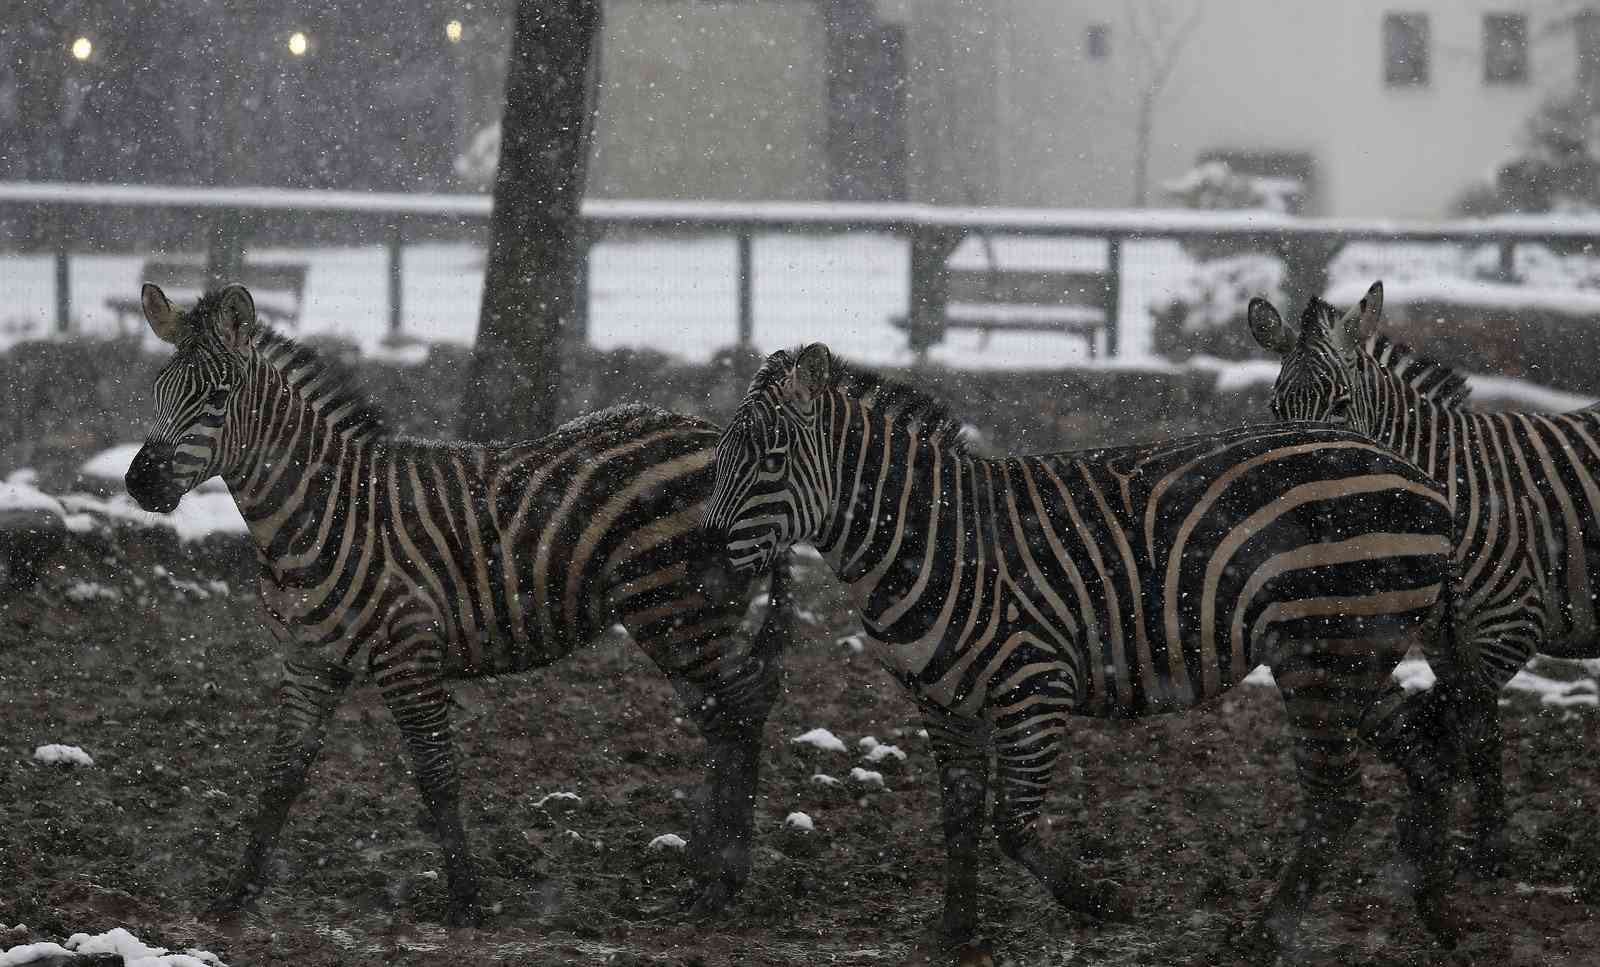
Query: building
{"x": 1384, "y": 107}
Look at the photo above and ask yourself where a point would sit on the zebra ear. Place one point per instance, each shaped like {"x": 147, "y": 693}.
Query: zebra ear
{"x": 1268, "y": 328}
{"x": 236, "y": 315}
{"x": 813, "y": 370}
{"x": 164, "y": 319}
{"x": 1372, "y": 307}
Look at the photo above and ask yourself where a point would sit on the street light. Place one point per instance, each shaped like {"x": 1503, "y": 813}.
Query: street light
{"x": 82, "y": 48}
{"x": 452, "y": 31}
{"x": 298, "y": 44}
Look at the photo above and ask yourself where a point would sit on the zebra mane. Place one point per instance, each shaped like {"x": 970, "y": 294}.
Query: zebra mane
{"x": 337, "y": 383}
{"x": 1429, "y": 378}
{"x": 877, "y": 391}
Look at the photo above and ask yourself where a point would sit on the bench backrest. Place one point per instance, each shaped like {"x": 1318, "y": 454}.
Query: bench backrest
{"x": 1029, "y": 287}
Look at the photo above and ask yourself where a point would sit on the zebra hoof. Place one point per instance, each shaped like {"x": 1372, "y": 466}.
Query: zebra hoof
{"x": 1441, "y": 918}
{"x": 710, "y": 900}
{"x": 1489, "y": 855}
{"x": 1110, "y": 900}
{"x": 232, "y": 901}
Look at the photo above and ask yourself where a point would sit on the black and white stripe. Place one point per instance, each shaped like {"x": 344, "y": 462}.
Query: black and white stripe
{"x": 419, "y": 561}
{"x": 1009, "y": 595}
{"x": 1524, "y": 488}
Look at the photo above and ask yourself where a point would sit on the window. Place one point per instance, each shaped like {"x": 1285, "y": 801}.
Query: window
{"x": 1405, "y": 49}
{"x": 1505, "y": 48}
{"x": 1097, "y": 42}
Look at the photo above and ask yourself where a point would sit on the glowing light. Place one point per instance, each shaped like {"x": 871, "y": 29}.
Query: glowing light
{"x": 298, "y": 44}
{"x": 452, "y": 30}
{"x": 82, "y": 48}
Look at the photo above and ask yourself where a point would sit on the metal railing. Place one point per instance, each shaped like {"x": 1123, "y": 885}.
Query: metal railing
{"x": 1306, "y": 244}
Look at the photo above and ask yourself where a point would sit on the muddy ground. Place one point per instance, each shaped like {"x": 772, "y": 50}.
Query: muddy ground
{"x": 170, "y": 692}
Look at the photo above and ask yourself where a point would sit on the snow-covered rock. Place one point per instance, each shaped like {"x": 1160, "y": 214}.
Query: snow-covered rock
{"x": 823, "y": 779}
{"x": 55, "y": 753}
{"x": 668, "y": 841}
{"x": 820, "y": 738}
{"x": 880, "y": 752}
{"x": 799, "y": 821}
{"x": 852, "y": 643}
{"x": 558, "y": 799}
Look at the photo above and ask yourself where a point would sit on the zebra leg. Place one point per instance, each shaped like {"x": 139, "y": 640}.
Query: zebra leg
{"x": 1414, "y": 733}
{"x": 1324, "y": 693}
{"x": 963, "y": 757}
{"x": 305, "y": 701}
{"x": 1025, "y": 760}
{"x": 416, "y": 697}
{"x": 1473, "y": 715}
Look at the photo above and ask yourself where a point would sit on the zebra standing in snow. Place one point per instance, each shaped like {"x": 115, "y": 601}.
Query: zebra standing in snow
{"x": 1525, "y": 491}
{"x": 426, "y": 561}
{"x": 1010, "y": 594}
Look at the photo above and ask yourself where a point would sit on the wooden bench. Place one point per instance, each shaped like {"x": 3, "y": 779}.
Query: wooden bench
{"x": 278, "y": 288}
{"x": 992, "y": 298}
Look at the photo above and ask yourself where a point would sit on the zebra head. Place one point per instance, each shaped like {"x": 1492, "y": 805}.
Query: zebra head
{"x": 194, "y": 392}
{"x": 1319, "y": 380}
{"x": 772, "y": 488}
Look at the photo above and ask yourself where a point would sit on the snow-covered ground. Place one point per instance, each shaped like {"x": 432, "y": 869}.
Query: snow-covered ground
{"x": 133, "y": 951}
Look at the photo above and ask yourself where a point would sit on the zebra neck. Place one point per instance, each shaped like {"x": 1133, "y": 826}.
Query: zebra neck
{"x": 903, "y": 509}
{"x": 303, "y": 458}
{"x": 1404, "y": 420}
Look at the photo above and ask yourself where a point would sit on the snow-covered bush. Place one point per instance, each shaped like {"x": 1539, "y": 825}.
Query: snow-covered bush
{"x": 1205, "y": 315}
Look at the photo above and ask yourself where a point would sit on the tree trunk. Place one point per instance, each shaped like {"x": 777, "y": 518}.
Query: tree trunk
{"x": 530, "y": 290}
{"x": 1141, "y": 149}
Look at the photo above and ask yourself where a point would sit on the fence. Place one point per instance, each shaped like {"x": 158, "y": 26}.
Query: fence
{"x": 1306, "y": 244}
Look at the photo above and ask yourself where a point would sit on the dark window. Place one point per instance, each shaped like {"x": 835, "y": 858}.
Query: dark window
{"x": 1097, "y": 42}
{"x": 1405, "y": 49}
{"x": 1505, "y": 48}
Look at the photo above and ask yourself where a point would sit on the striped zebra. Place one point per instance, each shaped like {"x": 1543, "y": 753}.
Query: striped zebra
{"x": 1008, "y": 595}
{"x": 1525, "y": 491}
{"x": 424, "y": 561}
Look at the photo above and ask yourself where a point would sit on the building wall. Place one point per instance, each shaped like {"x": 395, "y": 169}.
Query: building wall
{"x": 711, "y": 100}
{"x": 1253, "y": 75}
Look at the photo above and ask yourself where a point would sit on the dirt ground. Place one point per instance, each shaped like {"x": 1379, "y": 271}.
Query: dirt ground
{"x": 170, "y": 692}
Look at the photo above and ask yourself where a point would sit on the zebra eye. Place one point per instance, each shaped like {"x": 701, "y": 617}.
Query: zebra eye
{"x": 772, "y": 463}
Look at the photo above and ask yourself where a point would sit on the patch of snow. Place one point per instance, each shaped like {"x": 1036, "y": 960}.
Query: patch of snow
{"x": 92, "y": 590}
{"x": 867, "y": 743}
{"x": 134, "y": 952}
{"x": 558, "y": 797}
{"x": 867, "y": 777}
{"x": 55, "y": 753}
{"x": 198, "y": 515}
{"x": 799, "y": 821}
{"x": 1414, "y": 675}
{"x": 823, "y": 779}
{"x": 878, "y": 753}
{"x": 1583, "y": 691}
{"x": 668, "y": 841}
{"x": 31, "y": 952}
{"x": 1260, "y": 675}
{"x": 852, "y": 642}
{"x": 820, "y": 738}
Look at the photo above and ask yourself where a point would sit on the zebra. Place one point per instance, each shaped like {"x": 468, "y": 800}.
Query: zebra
{"x": 422, "y": 561}
{"x": 1525, "y": 491}
{"x": 1007, "y": 595}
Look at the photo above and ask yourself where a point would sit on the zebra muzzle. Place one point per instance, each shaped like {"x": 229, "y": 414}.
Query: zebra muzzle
{"x": 149, "y": 479}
